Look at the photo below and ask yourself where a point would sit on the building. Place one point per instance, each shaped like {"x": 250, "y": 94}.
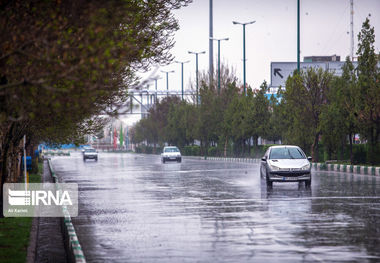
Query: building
{"x": 321, "y": 58}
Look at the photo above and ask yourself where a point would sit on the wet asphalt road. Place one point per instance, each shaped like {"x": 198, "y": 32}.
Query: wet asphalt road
{"x": 135, "y": 209}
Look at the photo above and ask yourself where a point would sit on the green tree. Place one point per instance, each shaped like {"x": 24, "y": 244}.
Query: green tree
{"x": 62, "y": 62}
{"x": 304, "y": 97}
{"x": 260, "y": 114}
{"x": 338, "y": 119}
{"x": 368, "y": 92}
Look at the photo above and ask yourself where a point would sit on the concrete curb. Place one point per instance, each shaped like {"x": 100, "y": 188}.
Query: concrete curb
{"x": 32, "y": 247}
{"x": 346, "y": 168}
{"x": 70, "y": 239}
{"x": 354, "y": 169}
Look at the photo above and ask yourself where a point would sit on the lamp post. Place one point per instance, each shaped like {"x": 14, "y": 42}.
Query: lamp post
{"x": 244, "y": 60}
{"x": 155, "y": 85}
{"x": 167, "y": 80}
{"x": 196, "y": 69}
{"x": 182, "y": 62}
{"x": 219, "y": 39}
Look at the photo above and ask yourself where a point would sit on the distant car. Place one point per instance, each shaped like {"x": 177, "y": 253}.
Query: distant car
{"x": 171, "y": 153}
{"x": 285, "y": 163}
{"x": 90, "y": 153}
{"x": 84, "y": 148}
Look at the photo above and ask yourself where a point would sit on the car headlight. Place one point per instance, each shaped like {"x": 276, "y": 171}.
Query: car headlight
{"x": 305, "y": 167}
{"x": 274, "y": 168}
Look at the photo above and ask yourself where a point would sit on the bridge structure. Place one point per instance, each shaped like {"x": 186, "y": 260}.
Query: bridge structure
{"x": 146, "y": 98}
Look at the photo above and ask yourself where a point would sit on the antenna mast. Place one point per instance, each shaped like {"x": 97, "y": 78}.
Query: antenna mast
{"x": 352, "y": 29}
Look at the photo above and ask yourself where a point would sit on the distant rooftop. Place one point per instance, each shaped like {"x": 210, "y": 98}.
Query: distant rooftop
{"x": 321, "y": 58}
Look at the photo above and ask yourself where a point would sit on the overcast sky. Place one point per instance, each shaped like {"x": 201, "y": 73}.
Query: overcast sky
{"x": 325, "y": 30}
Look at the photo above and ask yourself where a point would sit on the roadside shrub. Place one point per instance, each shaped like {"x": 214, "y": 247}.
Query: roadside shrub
{"x": 212, "y": 151}
{"x": 191, "y": 150}
{"x": 360, "y": 153}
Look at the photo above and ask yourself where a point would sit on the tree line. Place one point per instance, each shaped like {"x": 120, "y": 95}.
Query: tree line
{"x": 62, "y": 63}
{"x": 317, "y": 110}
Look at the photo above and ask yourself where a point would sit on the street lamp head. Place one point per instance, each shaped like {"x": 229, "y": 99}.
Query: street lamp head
{"x": 182, "y": 62}
{"x": 247, "y": 23}
{"x": 219, "y": 39}
{"x": 192, "y": 52}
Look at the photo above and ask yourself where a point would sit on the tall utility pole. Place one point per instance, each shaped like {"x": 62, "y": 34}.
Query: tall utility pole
{"x": 219, "y": 39}
{"x": 210, "y": 46}
{"x": 352, "y": 29}
{"x": 196, "y": 70}
{"x": 182, "y": 62}
{"x": 298, "y": 36}
{"x": 167, "y": 80}
{"x": 244, "y": 60}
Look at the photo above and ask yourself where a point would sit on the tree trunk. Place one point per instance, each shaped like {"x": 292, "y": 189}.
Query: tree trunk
{"x": 341, "y": 157}
{"x": 351, "y": 154}
{"x": 225, "y": 146}
{"x": 315, "y": 149}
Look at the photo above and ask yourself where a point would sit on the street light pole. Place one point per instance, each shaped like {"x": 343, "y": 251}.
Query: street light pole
{"x": 167, "y": 80}
{"x": 244, "y": 59}
{"x": 196, "y": 70}
{"x": 219, "y": 39}
{"x": 182, "y": 62}
{"x": 298, "y": 36}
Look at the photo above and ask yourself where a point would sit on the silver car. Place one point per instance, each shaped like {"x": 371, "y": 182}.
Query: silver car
{"x": 171, "y": 153}
{"x": 285, "y": 163}
{"x": 90, "y": 153}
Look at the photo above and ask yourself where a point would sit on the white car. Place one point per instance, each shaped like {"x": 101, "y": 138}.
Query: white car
{"x": 285, "y": 163}
{"x": 90, "y": 153}
{"x": 171, "y": 153}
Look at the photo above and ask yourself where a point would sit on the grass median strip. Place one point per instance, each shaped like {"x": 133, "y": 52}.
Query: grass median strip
{"x": 15, "y": 231}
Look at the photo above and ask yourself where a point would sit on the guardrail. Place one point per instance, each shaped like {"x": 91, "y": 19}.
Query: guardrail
{"x": 345, "y": 168}
{"x": 70, "y": 239}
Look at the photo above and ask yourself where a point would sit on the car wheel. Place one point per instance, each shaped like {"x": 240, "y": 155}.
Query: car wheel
{"x": 163, "y": 160}
{"x": 84, "y": 159}
{"x": 179, "y": 160}
{"x": 269, "y": 182}
{"x": 96, "y": 159}
{"x": 308, "y": 183}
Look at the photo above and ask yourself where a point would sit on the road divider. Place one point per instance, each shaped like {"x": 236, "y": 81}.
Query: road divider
{"x": 345, "y": 168}
{"x": 70, "y": 239}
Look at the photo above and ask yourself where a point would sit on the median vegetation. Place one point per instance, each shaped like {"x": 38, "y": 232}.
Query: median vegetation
{"x": 325, "y": 114}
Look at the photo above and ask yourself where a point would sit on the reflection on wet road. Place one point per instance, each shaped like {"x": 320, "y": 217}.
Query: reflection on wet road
{"x": 135, "y": 209}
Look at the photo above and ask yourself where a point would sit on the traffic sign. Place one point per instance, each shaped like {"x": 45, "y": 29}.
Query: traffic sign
{"x": 280, "y": 71}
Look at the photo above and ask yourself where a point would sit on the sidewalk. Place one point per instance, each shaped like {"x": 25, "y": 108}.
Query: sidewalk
{"x": 49, "y": 245}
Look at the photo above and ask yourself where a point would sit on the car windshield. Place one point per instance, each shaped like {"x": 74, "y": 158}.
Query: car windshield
{"x": 90, "y": 150}
{"x": 286, "y": 153}
{"x": 171, "y": 149}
